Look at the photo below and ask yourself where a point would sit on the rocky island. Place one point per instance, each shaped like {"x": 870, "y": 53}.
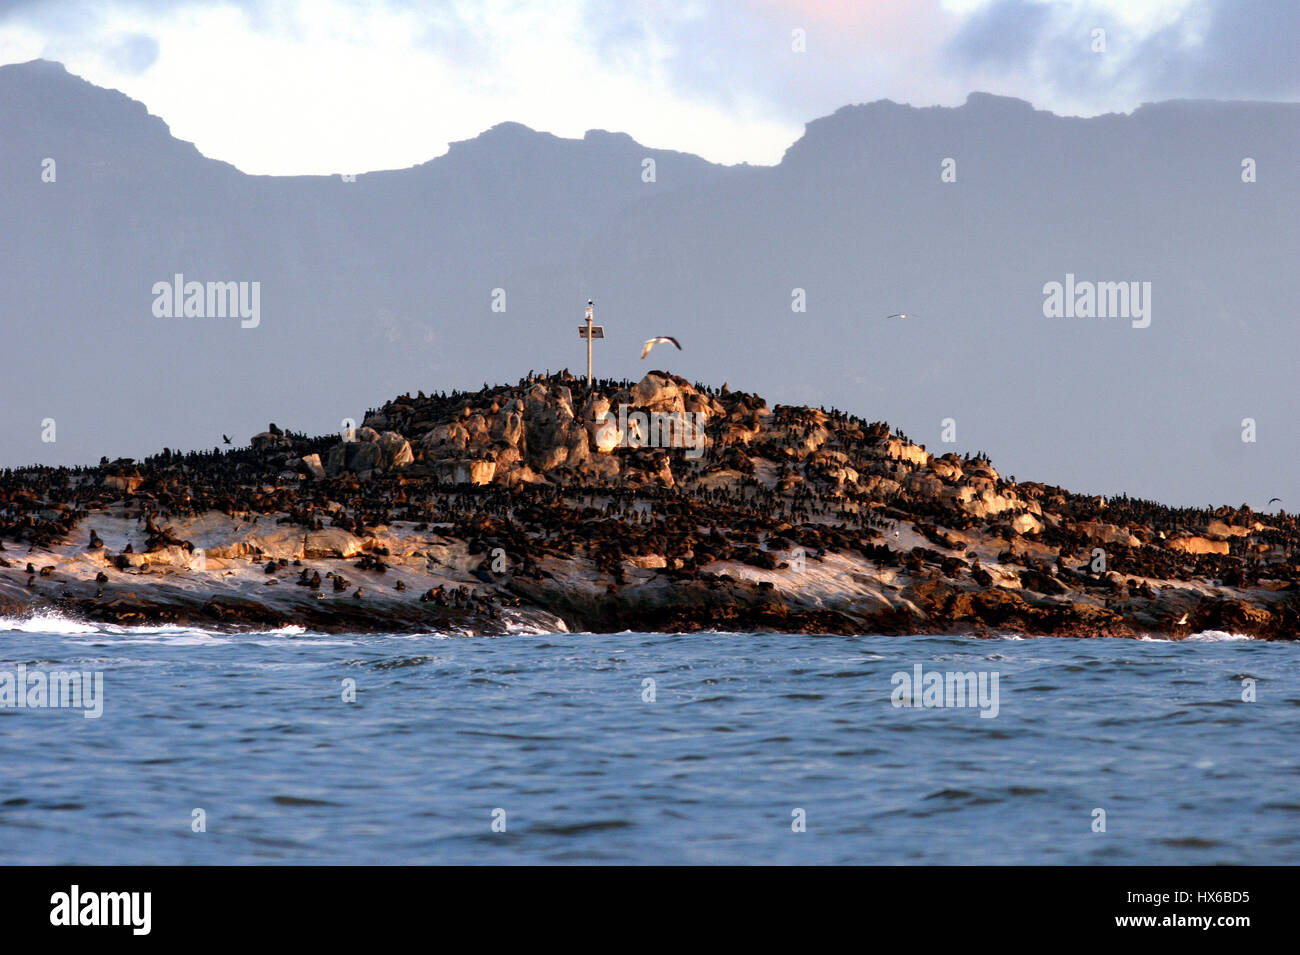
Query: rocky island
{"x": 534, "y": 507}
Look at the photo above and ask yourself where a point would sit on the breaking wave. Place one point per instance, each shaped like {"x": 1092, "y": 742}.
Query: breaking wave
{"x": 45, "y": 623}
{"x": 1217, "y": 636}
{"x": 55, "y": 623}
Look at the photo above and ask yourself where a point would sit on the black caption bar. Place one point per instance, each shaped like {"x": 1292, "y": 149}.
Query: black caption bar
{"x": 335, "y": 905}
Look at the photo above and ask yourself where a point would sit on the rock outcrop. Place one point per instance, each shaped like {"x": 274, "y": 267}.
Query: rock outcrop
{"x": 655, "y": 504}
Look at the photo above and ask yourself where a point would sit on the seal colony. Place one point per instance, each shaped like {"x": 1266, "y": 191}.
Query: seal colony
{"x": 521, "y": 507}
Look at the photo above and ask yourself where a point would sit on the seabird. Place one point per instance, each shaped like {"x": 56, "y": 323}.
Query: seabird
{"x": 901, "y": 315}
{"x": 225, "y": 438}
{"x": 652, "y": 342}
{"x": 1272, "y": 499}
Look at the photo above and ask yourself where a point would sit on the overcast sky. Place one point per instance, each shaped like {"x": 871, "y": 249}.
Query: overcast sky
{"x": 323, "y": 86}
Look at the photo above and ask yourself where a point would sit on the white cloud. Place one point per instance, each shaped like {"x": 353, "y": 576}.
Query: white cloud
{"x": 343, "y": 91}
{"x": 333, "y": 86}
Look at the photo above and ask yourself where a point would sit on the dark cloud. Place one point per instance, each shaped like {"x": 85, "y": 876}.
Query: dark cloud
{"x": 1219, "y": 49}
{"x": 1248, "y": 49}
{"x": 84, "y": 24}
{"x": 1004, "y": 33}
{"x": 736, "y": 54}
{"x": 716, "y": 51}
{"x": 68, "y": 16}
{"x": 134, "y": 53}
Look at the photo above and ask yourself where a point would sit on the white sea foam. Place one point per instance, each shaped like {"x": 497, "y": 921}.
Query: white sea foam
{"x": 56, "y": 624}
{"x": 148, "y": 630}
{"x": 1217, "y": 636}
{"x": 1204, "y": 636}
{"x": 193, "y": 638}
{"x": 45, "y": 623}
{"x": 516, "y": 628}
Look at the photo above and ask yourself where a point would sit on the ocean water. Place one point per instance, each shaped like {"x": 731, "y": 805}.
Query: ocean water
{"x": 556, "y": 737}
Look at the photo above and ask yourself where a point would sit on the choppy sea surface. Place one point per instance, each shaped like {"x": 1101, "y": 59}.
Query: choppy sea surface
{"x": 739, "y": 741}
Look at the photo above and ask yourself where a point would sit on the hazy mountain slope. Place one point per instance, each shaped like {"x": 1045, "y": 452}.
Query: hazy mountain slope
{"x": 385, "y": 284}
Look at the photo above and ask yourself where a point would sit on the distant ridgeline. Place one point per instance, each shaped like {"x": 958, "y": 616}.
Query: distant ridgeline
{"x": 1054, "y": 256}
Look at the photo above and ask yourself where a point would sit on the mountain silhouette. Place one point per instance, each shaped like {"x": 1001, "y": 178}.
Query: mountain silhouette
{"x": 386, "y": 284}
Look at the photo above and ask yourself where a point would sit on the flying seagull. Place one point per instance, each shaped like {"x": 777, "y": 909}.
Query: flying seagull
{"x": 225, "y": 438}
{"x": 652, "y": 342}
{"x": 901, "y": 315}
{"x": 1272, "y": 499}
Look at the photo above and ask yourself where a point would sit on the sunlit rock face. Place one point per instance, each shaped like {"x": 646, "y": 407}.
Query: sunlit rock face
{"x": 1198, "y": 545}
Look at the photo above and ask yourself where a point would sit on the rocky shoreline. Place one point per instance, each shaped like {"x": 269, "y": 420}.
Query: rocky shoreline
{"x": 530, "y": 508}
